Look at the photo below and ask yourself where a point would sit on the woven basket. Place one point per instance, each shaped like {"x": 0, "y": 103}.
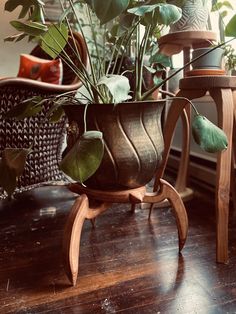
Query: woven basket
{"x": 47, "y": 138}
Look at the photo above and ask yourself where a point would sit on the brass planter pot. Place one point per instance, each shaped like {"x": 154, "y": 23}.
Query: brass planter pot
{"x": 133, "y": 141}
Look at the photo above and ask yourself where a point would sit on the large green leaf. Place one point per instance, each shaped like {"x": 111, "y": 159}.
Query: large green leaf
{"x": 163, "y": 60}
{"x": 208, "y": 136}
{"x": 7, "y": 178}
{"x": 12, "y": 165}
{"x": 85, "y": 156}
{"x": 55, "y": 39}
{"x": 15, "y": 159}
{"x": 168, "y": 14}
{"x": 106, "y": 10}
{"x": 118, "y": 86}
{"x": 230, "y": 29}
{"x": 32, "y": 7}
{"x": 30, "y": 28}
{"x": 27, "y": 108}
{"x": 160, "y": 13}
{"x": 142, "y": 10}
{"x": 57, "y": 115}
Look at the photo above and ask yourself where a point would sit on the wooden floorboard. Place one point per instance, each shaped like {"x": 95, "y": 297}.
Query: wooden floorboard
{"x": 127, "y": 263}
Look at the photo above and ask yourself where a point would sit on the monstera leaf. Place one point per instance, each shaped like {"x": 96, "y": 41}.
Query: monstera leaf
{"x": 208, "y": 136}
{"x": 32, "y": 7}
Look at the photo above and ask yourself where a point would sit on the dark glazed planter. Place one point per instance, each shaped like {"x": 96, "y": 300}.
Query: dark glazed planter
{"x": 133, "y": 141}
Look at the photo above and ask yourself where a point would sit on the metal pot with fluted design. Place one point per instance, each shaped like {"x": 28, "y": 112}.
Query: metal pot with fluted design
{"x": 133, "y": 139}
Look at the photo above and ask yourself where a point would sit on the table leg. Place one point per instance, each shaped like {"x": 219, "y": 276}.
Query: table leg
{"x": 225, "y": 109}
{"x": 175, "y": 111}
{"x": 80, "y": 211}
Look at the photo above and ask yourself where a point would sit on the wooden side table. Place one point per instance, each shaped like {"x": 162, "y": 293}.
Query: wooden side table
{"x": 223, "y": 91}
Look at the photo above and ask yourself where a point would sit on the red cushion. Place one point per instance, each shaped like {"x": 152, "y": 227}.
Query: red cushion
{"x": 34, "y": 68}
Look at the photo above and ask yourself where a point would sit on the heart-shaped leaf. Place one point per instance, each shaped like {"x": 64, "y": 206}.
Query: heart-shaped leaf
{"x": 15, "y": 159}
{"x": 12, "y": 165}
{"x": 106, "y": 10}
{"x": 208, "y": 136}
{"x": 118, "y": 86}
{"x": 27, "y": 108}
{"x": 164, "y": 13}
{"x": 84, "y": 157}
{"x": 161, "y": 59}
{"x": 56, "y": 115}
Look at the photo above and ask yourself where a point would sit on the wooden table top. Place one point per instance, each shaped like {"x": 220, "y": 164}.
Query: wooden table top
{"x": 174, "y": 43}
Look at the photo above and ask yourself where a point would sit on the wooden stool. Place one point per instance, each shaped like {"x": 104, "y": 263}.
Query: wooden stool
{"x": 91, "y": 203}
{"x": 223, "y": 91}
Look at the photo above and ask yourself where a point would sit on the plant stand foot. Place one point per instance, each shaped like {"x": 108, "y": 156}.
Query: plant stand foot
{"x": 80, "y": 211}
{"x": 71, "y": 239}
{"x": 167, "y": 191}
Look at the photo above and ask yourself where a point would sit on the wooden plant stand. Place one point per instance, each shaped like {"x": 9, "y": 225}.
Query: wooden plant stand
{"x": 91, "y": 203}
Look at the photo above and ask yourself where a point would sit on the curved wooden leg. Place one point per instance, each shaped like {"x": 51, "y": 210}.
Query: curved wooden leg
{"x": 167, "y": 191}
{"x": 72, "y": 233}
{"x": 233, "y": 179}
{"x": 71, "y": 238}
{"x": 173, "y": 115}
{"x": 224, "y": 102}
{"x": 176, "y": 110}
{"x": 181, "y": 180}
{"x": 180, "y": 214}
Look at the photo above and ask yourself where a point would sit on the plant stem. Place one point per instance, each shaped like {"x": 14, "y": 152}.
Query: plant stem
{"x": 89, "y": 56}
{"x": 94, "y": 37}
{"x": 142, "y": 51}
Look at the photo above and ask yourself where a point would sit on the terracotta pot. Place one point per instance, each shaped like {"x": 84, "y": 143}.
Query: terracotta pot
{"x": 133, "y": 141}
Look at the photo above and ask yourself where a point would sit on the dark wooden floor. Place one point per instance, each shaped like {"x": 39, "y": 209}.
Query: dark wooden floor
{"x": 128, "y": 264}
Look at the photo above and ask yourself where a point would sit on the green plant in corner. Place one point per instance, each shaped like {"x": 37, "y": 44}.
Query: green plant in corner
{"x": 117, "y": 62}
{"x": 223, "y": 9}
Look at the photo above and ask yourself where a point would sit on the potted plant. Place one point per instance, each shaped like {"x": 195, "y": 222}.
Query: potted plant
{"x": 194, "y": 15}
{"x": 101, "y": 115}
{"x": 221, "y": 11}
{"x": 213, "y": 60}
{"x": 230, "y": 59}
{"x": 220, "y": 58}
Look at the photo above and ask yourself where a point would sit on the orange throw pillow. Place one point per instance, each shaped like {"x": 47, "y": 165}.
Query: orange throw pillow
{"x": 34, "y": 68}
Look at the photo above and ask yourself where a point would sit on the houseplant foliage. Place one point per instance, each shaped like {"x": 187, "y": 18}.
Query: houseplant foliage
{"x": 117, "y": 56}
{"x": 222, "y": 9}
